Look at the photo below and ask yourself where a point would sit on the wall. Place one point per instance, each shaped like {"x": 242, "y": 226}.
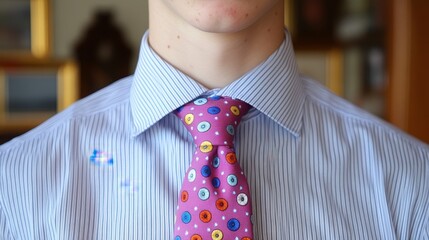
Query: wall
{"x": 70, "y": 17}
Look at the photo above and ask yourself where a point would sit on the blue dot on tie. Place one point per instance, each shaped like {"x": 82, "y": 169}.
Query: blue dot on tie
{"x": 215, "y": 98}
{"x": 205, "y": 171}
{"x": 216, "y": 182}
{"x": 204, "y": 194}
{"x": 200, "y": 101}
{"x": 177, "y": 238}
{"x": 203, "y": 126}
{"x": 186, "y": 217}
{"x": 233, "y": 224}
{"x": 179, "y": 109}
{"x": 232, "y": 180}
{"x": 216, "y": 162}
{"x": 230, "y": 130}
{"x": 213, "y": 110}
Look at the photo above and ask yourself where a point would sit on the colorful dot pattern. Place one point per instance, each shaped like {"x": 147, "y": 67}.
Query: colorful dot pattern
{"x": 214, "y": 201}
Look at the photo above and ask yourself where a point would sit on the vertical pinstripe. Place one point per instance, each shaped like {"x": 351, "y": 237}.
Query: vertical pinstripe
{"x": 318, "y": 167}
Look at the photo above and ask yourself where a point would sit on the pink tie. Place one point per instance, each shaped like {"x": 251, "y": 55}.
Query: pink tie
{"x": 214, "y": 201}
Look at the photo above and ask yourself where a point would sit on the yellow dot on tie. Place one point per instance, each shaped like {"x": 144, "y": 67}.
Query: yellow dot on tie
{"x": 189, "y": 118}
{"x": 206, "y": 146}
{"x": 217, "y": 235}
{"x": 235, "y": 110}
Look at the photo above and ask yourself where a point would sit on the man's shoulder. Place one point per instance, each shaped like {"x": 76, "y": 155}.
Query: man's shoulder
{"x": 335, "y": 112}
{"x": 97, "y": 105}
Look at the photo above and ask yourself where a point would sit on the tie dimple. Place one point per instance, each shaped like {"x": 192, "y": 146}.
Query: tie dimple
{"x": 214, "y": 201}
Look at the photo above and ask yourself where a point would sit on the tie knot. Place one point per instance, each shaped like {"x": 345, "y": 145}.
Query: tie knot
{"x": 213, "y": 120}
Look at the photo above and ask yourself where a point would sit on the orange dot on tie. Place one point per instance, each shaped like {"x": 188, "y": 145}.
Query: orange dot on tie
{"x": 205, "y": 216}
{"x": 246, "y": 238}
{"x": 184, "y": 196}
{"x": 231, "y": 158}
{"x": 196, "y": 237}
{"x": 221, "y": 204}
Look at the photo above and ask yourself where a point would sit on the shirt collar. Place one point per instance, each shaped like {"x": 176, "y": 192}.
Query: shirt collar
{"x": 273, "y": 87}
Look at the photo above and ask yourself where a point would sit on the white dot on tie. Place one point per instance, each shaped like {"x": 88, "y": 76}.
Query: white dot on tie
{"x": 225, "y": 142}
{"x": 186, "y": 233}
{"x": 200, "y": 114}
{"x": 192, "y": 108}
{"x": 195, "y": 188}
{"x": 217, "y": 133}
{"x": 226, "y": 102}
{"x": 215, "y": 224}
{"x": 246, "y": 230}
{"x": 223, "y": 217}
{"x": 222, "y": 173}
{"x": 247, "y": 213}
{"x": 236, "y": 238}
{"x": 235, "y": 210}
{"x": 241, "y": 188}
{"x": 215, "y": 193}
{"x": 223, "y": 190}
{"x": 207, "y": 158}
{"x": 222, "y": 152}
{"x": 195, "y": 208}
{"x": 204, "y": 181}
{"x": 178, "y": 228}
{"x": 208, "y": 230}
{"x": 227, "y": 114}
{"x": 195, "y": 226}
{"x": 233, "y": 192}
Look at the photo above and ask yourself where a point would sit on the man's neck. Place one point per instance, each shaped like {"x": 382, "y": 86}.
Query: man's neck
{"x": 216, "y": 59}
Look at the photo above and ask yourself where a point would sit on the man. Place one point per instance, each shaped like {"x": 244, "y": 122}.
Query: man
{"x": 111, "y": 166}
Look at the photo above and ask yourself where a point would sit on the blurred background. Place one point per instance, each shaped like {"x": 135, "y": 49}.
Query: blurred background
{"x": 370, "y": 52}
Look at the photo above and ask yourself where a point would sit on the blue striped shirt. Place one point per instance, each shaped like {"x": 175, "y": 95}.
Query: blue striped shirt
{"x": 111, "y": 165}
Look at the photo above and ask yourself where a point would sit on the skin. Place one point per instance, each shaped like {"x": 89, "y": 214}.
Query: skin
{"x": 215, "y": 41}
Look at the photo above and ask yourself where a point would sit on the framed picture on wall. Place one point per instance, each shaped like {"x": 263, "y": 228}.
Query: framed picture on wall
{"x": 33, "y": 90}
{"x": 24, "y": 28}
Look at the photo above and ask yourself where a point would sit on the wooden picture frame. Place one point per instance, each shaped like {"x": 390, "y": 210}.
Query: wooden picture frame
{"x": 323, "y": 65}
{"x": 33, "y": 90}
{"x": 24, "y": 28}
